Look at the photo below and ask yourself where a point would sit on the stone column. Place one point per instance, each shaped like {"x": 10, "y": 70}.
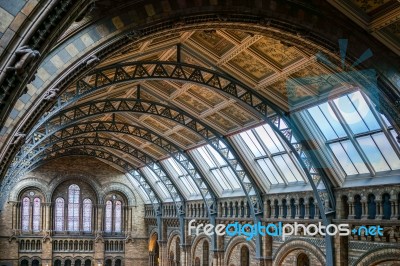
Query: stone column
{"x": 379, "y": 209}
{"x": 341, "y": 249}
{"x": 163, "y": 252}
{"x": 364, "y": 214}
{"x": 306, "y": 210}
{"x": 395, "y": 208}
{"x": 297, "y": 205}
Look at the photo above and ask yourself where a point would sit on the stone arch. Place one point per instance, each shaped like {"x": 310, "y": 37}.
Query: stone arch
{"x": 121, "y": 188}
{"x": 26, "y": 184}
{"x": 58, "y": 180}
{"x": 172, "y": 242}
{"x": 233, "y": 243}
{"x": 200, "y": 238}
{"x": 297, "y": 244}
{"x": 378, "y": 255}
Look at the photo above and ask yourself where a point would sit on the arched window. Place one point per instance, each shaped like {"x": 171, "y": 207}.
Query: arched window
{"x": 88, "y": 262}
{"x": 357, "y": 206}
{"x": 303, "y": 260}
{"x": 57, "y": 263}
{"x": 36, "y": 215}
{"x": 311, "y": 208}
{"x": 59, "y": 214}
{"x": 78, "y": 263}
{"x": 87, "y": 215}
{"x": 73, "y": 208}
{"x": 284, "y": 208}
{"x": 24, "y": 263}
{"x": 292, "y": 208}
{"x": 371, "y": 206}
{"x": 244, "y": 256}
{"x": 386, "y": 205}
{"x": 118, "y": 262}
{"x": 35, "y": 263}
{"x": 118, "y": 214}
{"x": 108, "y": 216}
{"x": 26, "y": 217}
{"x": 206, "y": 253}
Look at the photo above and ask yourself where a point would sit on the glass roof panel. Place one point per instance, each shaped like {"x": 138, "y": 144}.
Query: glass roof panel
{"x": 373, "y": 153}
{"x": 270, "y": 171}
{"x": 157, "y": 184}
{"x": 216, "y": 168}
{"x": 387, "y": 150}
{"x": 327, "y": 121}
{"x": 181, "y": 177}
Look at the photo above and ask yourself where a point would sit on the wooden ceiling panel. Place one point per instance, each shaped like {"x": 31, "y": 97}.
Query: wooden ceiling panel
{"x": 212, "y": 42}
{"x": 251, "y": 66}
{"x": 192, "y": 103}
{"x": 275, "y": 51}
{"x": 238, "y": 114}
{"x": 207, "y": 95}
{"x": 221, "y": 122}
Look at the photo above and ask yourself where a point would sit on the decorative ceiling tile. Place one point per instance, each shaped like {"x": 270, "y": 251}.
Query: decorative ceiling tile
{"x": 190, "y": 135}
{"x": 161, "y": 86}
{"x": 238, "y": 35}
{"x": 181, "y": 140}
{"x": 150, "y": 122}
{"x": 221, "y": 121}
{"x": 212, "y": 41}
{"x": 251, "y": 66}
{"x": 274, "y": 50}
{"x": 153, "y": 151}
{"x": 369, "y": 5}
{"x": 238, "y": 114}
{"x": 206, "y": 95}
{"x": 192, "y": 103}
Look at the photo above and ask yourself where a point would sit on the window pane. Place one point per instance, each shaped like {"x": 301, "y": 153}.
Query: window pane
{"x": 270, "y": 171}
{"x": 373, "y": 154}
{"x": 364, "y": 110}
{"x": 73, "y": 208}
{"x": 87, "y": 215}
{"x": 59, "y": 214}
{"x": 282, "y": 161}
{"x": 220, "y": 179}
{"x": 387, "y": 150}
{"x": 36, "y": 215}
{"x": 228, "y": 173}
{"x": 118, "y": 213}
{"x": 251, "y": 142}
{"x": 108, "y": 217}
{"x": 26, "y": 202}
{"x": 344, "y": 159}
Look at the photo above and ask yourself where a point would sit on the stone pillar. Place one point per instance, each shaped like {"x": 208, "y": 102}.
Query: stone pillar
{"x": 266, "y": 259}
{"x": 163, "y": 253}
{"x": 185, "y": 255}
{"x": 395, "y": 208}
{"x": 364, "y": 214}
{"x": 297, "y": 205}
{"x": 306, "y": 210}
{"x": 341, "y": 249}
{"x": 379, "y": 209}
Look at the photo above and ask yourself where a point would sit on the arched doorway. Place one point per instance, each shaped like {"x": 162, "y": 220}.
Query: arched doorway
{"x": 303, "y": 260}
{"x": 118, "y": 262}
{"x": 35, "y": 263}
{"x": 57, "y": 263}
{"x": 88, "y": 262}
{"x": 24, "y": 263}
{"x": 78, "y": 263}
{"x": 244, "y": 256}
{"x": 154, "y": 251}
{"x": 67, "y": 263}
{"x": 108, "y": 262}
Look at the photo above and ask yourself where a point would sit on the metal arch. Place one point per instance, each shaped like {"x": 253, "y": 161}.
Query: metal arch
{"x": 69, "y": 116}
{"x": 155, "y": 199}
{"x": 154, "y": 166}
{"x": 227, "y": 85}
{"x": 38, "y": 140}
{"x": 162, "y": 70}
